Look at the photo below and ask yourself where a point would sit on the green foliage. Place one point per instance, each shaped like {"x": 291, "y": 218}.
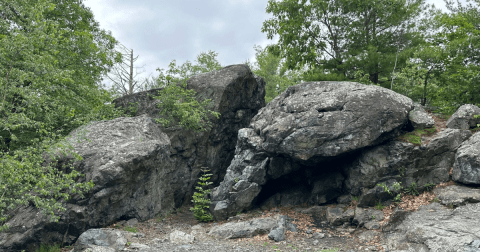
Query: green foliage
{"x": 49, "y": 248}
{"x": 429, "y": 186}
{"x": 340, "y": 38}
{"x": 379, "y": 206}
{"x": 355, "y": 198}
{"x": 274, "y": 73}
{"x": 412, "y": 189}
{"x": 373, "y": 217}
{"x": 178, "y": 105}
{"x": 435, "y": 199}
{"x": 52, "y": 56}
{"x": 130, "y": 229}
{"x": 415, "y": 137}
{"x": 201, "y": 203}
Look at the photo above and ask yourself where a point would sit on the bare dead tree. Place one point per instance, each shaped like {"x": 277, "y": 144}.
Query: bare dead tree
{"x": 122, "y": 74}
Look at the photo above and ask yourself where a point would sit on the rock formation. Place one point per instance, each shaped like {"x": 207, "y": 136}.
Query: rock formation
{"x": 299, "y": 132}
{"x": 463, "y": 118}
{"x": 140, "y": 169}
{"x": 237, "y": 94}
{"x": 467, "y": 161}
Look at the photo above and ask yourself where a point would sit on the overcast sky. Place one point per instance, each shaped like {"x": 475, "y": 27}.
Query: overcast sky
{"x": 162, "y": 30}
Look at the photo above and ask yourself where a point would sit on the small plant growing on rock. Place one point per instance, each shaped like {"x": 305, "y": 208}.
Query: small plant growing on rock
{"x": 379, "y": 206}
{"x": 201, "y": 203}
{"x": 412, "y": 189}
{"x": 429, "y": 186}
{"x": 130, "y": 229}
{"x": 435, "y": 200}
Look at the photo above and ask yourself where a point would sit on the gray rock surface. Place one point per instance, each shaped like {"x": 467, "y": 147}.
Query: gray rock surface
{"x": 398, "y": 161}
{"x": 97, "y": 239}
{"x": 364, "y": 215}
{"x": 437, "y": 228}
{"x": 336, "y": 216}
{"x": 419, "y": 118}
{"x": 140, "y": 169}
{"x": 466, "y": 168}
{"x": 181, "y": 237}
{"x": 463, "y": 117}
{"x": 245, "y": 228}
{"x": 457, "y": 195}
{"x": 307, "y": 124}
{"x": 237, "y": 94}
{"x": 128, "y": 160}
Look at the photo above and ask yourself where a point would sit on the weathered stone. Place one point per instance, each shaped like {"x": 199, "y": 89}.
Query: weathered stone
{"x": 363, "y": 216}
{"x": 439, "y": 228}
{"x": 140, "y": 169}
{"x": 372, "y": 225}
{"x": 244, "y": 229}
{"x": 419, "y": 118}
{"x": 463, "y": 117}
{"x": 398, "y": 161}
{"x": 456, "y": 195}
{"x": 466, "y": 168}
{"x": 237, "y": 94}
{"x": 307, "y": 124}
{"x": 344, "y": 199}
{"x": 318, "y": 235}
{"x": 180, "y": 237}
{"x": 128, "y": 160}
{"x": 277, "y": 234}
{"x": 337, "y": 216}
{"x": 108, "y": 238}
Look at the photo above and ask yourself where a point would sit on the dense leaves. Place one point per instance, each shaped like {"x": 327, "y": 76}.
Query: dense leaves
{"x": 52, "y": 57}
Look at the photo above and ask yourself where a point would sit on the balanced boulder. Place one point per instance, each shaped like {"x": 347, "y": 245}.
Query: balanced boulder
{"x": 300, "y": 130}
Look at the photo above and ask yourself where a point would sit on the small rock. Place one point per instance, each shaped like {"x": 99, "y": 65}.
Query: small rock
{"x": 181, "y": 237}
{"x": 277, "y": 234}
{"x": 138, "y": 246}
{"x": 309, "y": 231}
{"x": 318, "y": 235}
{"x": 372, "y": 225}
{"x": 139, "y": 235}
{"x": 315, "y": 242}
{"x": 132, "y": 222}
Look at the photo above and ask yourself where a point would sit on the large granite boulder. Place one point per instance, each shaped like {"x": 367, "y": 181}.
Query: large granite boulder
{"x": 300, "y": 132}
{"x": 467, "y": 161}
{"x": 237, "y": 94}
{"x": 128, "y": 160}
{"x": 398, "y": 161}
{"x": 463, "y": 117}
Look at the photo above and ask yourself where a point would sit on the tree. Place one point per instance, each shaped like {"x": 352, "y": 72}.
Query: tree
{"x": 459, "y": 35}
{"x": 274, "y": 72}
{"x": 178, "y": 105}
{"x": 124, "y": 80}
{"x": 52, "y": 57}
{"x": 344, "y": 36}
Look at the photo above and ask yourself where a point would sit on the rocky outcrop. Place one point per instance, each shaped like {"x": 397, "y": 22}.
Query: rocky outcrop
{"x": 237, "y": 94}
{"x": 128, "y": 160}
{"x": 467, "y": 161}
{"x": 404, "y": 163}
{"x": 436, "y": 228}
{"x": 463, "y": 117}
{"x": 140, "y": 169}
{"x": 419, "y": 118}
{"x": 457, "y": 195}
{"x": 300, "y": 130}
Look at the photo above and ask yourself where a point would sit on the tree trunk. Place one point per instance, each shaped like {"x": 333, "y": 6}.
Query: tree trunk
{"x": 130, "y": 81}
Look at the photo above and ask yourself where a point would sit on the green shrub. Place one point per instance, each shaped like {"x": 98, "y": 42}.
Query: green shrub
{"x": 48, "y": 248}
{"x": 415, "y": 137}
{"x": 201, "y": 203}
{"x": 412, "y": 189}
{"x": 130, "y": 229}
